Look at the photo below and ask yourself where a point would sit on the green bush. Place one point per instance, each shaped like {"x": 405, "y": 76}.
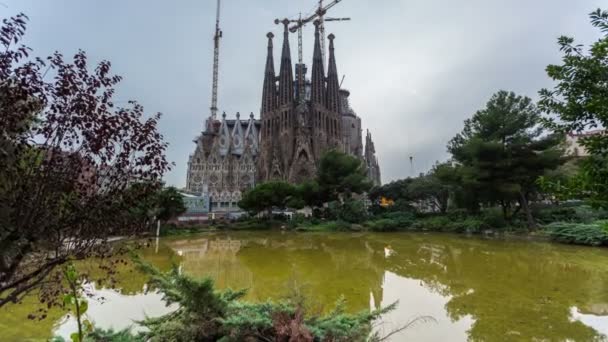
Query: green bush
{"x": 445, "y": 224}
{"x": 550, "y": 214}
{"x": 329, "y": 226}
{"x": 587, "y": 214}
{"x": 206, "y": 314}
{"x": 403, "y": 218}
{"x": 458, "y": 214}
{"x": 469, "y": 225}
{"x": 493, "y": 218}
{"x": 434, "y": 223}
{"x": 568, "y": 212}
{"x": 352, "y": 211}
{"x": 383, "y": 225}
{"x": 594, "y": 234}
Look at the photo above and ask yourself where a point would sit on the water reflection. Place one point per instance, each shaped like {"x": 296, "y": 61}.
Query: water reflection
{"x": 477, "y": 290}
{"x": 111, "y": 309}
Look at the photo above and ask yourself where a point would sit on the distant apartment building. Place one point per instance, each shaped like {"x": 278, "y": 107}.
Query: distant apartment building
{"x": 573, "y": 142}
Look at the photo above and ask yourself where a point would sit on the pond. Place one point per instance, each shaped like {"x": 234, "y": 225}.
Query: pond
{"x": 475, "y": 289}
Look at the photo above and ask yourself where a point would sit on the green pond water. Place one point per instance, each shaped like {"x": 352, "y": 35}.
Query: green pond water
{"x": 475, "y": 289}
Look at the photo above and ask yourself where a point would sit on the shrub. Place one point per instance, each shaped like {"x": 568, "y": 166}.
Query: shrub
{"x": 436, "y": 223}
{"x": 403, "y": 218}
{"x": 587, "y": 214}
{"x": 546, "y": 215}
{"x": 383, "y": 225}
{"x": 493, "y": 218}
{"x": 352, "y": 211}
{"x": 569, "y": 212}
{"x": 595, "y": 234}
{"x": 469, "y": 225}
{"x": 329, "y": 226}
{"x": 205, "y": 314}
{"x": 458, "y": 214}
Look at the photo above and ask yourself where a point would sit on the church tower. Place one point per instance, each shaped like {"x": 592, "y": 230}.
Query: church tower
{"x": 295, "y": 134}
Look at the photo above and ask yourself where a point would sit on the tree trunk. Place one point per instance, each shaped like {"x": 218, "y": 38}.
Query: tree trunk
{"x": 505, "y": 213}
{"x": 524, "y": 204}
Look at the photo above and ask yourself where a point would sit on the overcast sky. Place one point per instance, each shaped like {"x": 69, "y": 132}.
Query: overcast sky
{"x": 415, "y": 68}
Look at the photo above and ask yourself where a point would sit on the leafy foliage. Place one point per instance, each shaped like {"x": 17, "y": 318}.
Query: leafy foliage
{"x": 351, "y": 211}
{"x": 595, "y": 234}
{"x": 502, "y": 151}
{"x": 76, "y": 302}
{"x": 580, "y": 102}
{"x": 68, "y": 156}
{"x": 170, "y": 203}
{"x": 269, "y": 195}
{"x": 341, "y": 175}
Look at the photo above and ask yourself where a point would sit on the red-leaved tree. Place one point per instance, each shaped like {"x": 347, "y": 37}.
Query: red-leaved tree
{"x": 69, "y": 160}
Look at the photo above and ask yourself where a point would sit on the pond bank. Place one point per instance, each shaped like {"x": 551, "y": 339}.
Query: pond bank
{"x": 593, "y": 233}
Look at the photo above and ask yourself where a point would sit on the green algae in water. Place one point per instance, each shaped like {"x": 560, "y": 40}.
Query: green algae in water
{"x": 477, "y": 290}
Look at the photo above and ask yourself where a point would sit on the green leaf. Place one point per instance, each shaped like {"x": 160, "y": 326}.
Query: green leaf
{"x": 68, "y": 299}
{"x": 84, "y": 306}
{"x": 88, "y": 326}
{"x": 70, "y": 273}
{"x": 75, "y": 337}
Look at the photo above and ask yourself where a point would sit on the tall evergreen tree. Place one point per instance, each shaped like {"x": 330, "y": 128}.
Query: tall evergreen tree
{"x": 502, "y": 151}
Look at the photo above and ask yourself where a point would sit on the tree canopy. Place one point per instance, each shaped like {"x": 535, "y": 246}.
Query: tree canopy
{"x": 269, "y": 195}
{"x": 341, "y": 175}
{"x": 579, "y": 102}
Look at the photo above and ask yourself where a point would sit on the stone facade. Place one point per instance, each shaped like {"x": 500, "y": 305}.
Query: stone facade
{"x": 351, "y": 127}
{"x": 290, "y": 137}
{"x": 225, "y": 160}
{"x": 371, "y": 161}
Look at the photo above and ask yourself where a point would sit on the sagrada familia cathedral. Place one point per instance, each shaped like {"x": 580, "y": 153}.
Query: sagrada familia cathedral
{"x": 299, "y": 120}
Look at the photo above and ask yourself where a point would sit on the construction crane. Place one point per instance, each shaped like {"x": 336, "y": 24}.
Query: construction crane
{"x": 216, "y": 62}
{"x": 321, "y": 14}
{"x": 299, "y": 24}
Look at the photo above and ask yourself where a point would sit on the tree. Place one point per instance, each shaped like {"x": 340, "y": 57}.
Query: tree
{"x": 431, "y": 190}
{"x": 341, "y": 175}
{"x": 68, "y": 156}
{"x": 269, "y": 195}
{"x": 502, "y": 151}
{"x": 310, "y": 194}
{"x": 580, "y": 102}
{"x": 170, "y": 204}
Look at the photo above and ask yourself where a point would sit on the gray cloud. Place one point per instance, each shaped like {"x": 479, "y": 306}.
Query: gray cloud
{"x": 416, "y": 69}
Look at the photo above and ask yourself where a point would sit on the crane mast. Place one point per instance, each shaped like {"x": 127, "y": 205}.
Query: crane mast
{"x": 216, "y": 62}
{"x": 322, "y": 29}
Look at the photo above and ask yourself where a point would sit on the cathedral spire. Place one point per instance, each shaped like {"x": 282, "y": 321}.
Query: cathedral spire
{"x": 269, "y": 94}
{"x": 333, "y": 85}
{"x": 318, "y": 71}
{"x": 286, "y": 72}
